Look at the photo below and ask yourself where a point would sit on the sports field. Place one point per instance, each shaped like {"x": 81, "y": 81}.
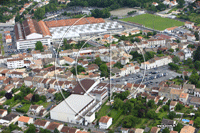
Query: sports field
{"x": 153, "y": 21}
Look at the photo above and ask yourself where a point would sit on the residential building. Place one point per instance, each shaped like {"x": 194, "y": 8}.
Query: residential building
{"x": 3, "y": 112}
{"x": 183, "y": 97}
{"x": 187, "y": 129}
{"x": 23, "y": 120}
{"x": 54, "y": 125}
{"x": 155, "y": 130}
{"x": 172, "y": 105}
{"x": 105, "y": 122}
{"x": 41, "y": 123}
{"x": 189, "y": 25}
{"x": 8, "y": 119}
{"x": 35, "y": 109}
{"x": 15, "y": 63}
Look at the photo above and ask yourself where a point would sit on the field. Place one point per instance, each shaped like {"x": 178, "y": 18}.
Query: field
{"x": 153, "y": 21}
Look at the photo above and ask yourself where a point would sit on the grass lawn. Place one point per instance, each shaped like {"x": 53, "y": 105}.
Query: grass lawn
{"x": 103, "y": 111}
{"x": 12, "y": 102}
{"x": 46, "y": 104}
{"x": 149, "y": 20}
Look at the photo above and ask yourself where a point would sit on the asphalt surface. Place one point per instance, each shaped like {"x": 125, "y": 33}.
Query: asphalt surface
{"x": 149, "y": 77}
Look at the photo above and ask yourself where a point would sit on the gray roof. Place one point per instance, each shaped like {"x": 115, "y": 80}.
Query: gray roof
{"x": 73, "y": 104}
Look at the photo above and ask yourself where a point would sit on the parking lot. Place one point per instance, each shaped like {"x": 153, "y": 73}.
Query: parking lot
{"x": 150, "y": 77}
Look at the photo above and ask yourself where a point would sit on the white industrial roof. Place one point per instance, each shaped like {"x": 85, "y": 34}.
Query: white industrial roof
{"x": 73, "y": 104}
{"x": 76, "y": 30}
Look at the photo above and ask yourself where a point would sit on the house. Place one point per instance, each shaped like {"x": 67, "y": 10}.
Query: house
{"x": 183, "y": 97}
{"x": 189, "y": 87}
{"x": 24, "y": 120}
{"x": 188, "y": 129}
{"x": 168, "y": 123}
{"x": 8, "y": 39}
{"x": 138, "y": 130}
{"x": 54, "y": 125}
{"x": 170, "y": 30}
{"x": 191, "y": 123}
{"x": 155, "y": 3}
{"x": 3, "y": 112}
{"x": 66, "y": 129}
{"x": 8, "y": 119}
{"x": 145, "y": 32}
{"x": 124, "y": 130}
{"x": 173, "y": 132}
{"x": 189, "y": 25}
{"x": 35, "y": 109}
{"x": 155, "y": 130}
{"x": 195, "y": 101}
{"x": 28, "y": 97}
{"x": 175, "y": 93}
{"x": 190, "y": 37}
{"x": 172, "y": 105}
{"x": 172, "y": 46}
{"x": 15, "y": 63}
{"x": 197, "y": 92}
{"x": 105, "y": 122}
{"x": 41, "y": 123}
{"x": 134, "y": 32}
{"x": 69, "y": 60}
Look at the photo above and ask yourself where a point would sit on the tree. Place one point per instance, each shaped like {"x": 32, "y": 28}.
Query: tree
{"x": 118, "y": 103}
{"x": 175, "y": 59}
{"x": 8, "y": 95}
{"x": 31, "y": 129}
{"x": 178, "y": 127}
{"x": 98, "y": 61}
{"x": 197, "y": 65}
{"x": 166, "y": 130}
{"x": 152, "y": 114}
{"x": 104, "y": 70}
{"x": 171, "y": 50}
{"x": 198, "y": 84}
{"x": 127, "y": 107}
{"x": 179, "y": 107}
{"x": 39, "y": 46}
{"x": 194, "y": 78}
{"x": 118, "y": 65}
{"x": 104, "y": 13}
{"x": 172, "y": 115}
{"x": 44, "y": 130}
{"x": 151, "y": 103}
{"x": 197, "y": 122}
{"x": 39, "y": 13}
{"x": 2, "y": 93}
{"x": 197, "y": 54}
{"x": 174, "y": 66}
{"x": 129, "y": 121}
{"x": 196, "y": 35}
{"x": 56, "y": 131}
{"x": 36, "y": 98}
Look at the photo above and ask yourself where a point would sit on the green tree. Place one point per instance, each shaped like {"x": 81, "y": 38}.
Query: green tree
{"x": 98, "y": 61}
{"x": 171, "y": 50}
{"x": 197, "y": 65}
{"x": 39, "y": 46}
{"x": 44, "y": 130}
{"x": 118, "y": 103}
{"x": 56, "y": 131}
{"x": 175, "y": 59}
{"x": 151, "y": 103}
{"x": 174, "y": 66}
{"x": 166, "y": 130}
{"x": 39, "y": 13}
{"x": 197, "y": 54}
{"x": 197, "y": 122}
{"x": 36, "y": 98}
{"x": 118, "y": 65}
{"x": 129, "y": 121}
{"x": 152, "y": 114}
{"x": 31, "y": 129}
{"x": 194, "y": 78}
{"x": 178, "y": 127}
{"x": 179, "y": 107}
{"x": 196, "y": 35}
{"x": 172, "y": 115}
{"x": 198, "y": 84}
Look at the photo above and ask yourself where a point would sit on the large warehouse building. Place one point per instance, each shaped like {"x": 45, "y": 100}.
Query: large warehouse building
{"x": 79, "y": 109}
{"x": 31, "y": 31}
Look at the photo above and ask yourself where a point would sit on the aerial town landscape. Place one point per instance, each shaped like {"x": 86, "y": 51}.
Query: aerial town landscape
{"x": 100, "y": 66}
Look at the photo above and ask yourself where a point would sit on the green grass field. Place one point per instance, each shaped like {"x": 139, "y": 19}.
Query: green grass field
{"x": 153, "y": 21}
